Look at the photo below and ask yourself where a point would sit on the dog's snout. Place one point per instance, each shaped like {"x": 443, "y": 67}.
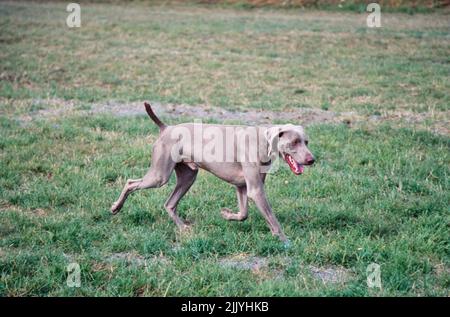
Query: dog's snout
{"x": 310, "y": 160}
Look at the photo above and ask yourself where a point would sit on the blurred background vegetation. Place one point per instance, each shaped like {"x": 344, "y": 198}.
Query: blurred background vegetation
{"x": 408, "y": 6}
{"x": 338, "y": 4}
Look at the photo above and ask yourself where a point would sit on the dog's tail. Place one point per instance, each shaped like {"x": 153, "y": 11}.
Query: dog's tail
{"x": 153, "y": 116}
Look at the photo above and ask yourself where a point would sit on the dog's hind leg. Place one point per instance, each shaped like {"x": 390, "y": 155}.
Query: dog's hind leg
{"x": 158, "y": 175}
{"x": 185, "y": 178}
{"x": 241, "y": 192}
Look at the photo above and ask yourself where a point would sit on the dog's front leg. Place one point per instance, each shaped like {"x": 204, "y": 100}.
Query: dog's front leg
{"x": 255, "y": 190}
{"x": 258, "y": 195}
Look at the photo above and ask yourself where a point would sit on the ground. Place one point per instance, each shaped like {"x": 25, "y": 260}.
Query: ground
{"x": 375, "y": 103}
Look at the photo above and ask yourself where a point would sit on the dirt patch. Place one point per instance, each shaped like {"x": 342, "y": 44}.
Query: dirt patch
{"x": 250, "y": 116}
{"x": 39, "y": 212}
{"x": 260, "y": 267}
{"x": 135, "y": 259}
{"x": 243, "y": 262}
{"x": 436, "y": 122}
{"x": 130, "y": 258}
{"x": 6, "y": 206}
{"x": 100, "y": 266}
{"x": 59, "y": 108}
{"x": 442, "y": 270}
{"x": 330, "y": 275}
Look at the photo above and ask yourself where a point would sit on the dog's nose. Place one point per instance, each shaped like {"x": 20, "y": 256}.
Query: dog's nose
{"x": 310, "y": 160}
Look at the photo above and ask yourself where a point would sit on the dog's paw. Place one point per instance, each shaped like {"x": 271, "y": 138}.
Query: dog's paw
{"x": 226, "y": 213}
{"x": 115, "y": 208}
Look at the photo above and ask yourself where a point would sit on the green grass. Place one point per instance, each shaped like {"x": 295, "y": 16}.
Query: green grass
{"x": 379, "y": 192}
{"x": 376, "y": 195}
{"x": 227, "y": 58}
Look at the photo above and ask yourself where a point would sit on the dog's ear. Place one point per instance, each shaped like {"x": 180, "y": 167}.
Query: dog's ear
{"x": 272, "y": 135}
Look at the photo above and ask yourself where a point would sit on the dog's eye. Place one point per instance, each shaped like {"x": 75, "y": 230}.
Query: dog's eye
{"x": 306, "y": 142}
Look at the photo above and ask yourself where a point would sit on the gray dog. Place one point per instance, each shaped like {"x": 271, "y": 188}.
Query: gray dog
{"x": 248, "y": 158}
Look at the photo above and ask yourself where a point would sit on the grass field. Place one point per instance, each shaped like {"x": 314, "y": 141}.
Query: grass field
{"x": 379, "y": 192}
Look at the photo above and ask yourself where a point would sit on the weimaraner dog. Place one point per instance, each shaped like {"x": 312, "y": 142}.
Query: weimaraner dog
{"x": 175, "y": 149}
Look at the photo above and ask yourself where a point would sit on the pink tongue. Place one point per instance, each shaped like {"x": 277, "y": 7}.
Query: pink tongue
{"x": 295, "y": 167}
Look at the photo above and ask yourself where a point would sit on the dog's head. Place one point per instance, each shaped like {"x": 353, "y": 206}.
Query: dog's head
{"x": 291, "y": 143}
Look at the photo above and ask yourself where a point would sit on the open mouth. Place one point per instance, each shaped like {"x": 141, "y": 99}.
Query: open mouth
{"x": 296, "y": 168}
